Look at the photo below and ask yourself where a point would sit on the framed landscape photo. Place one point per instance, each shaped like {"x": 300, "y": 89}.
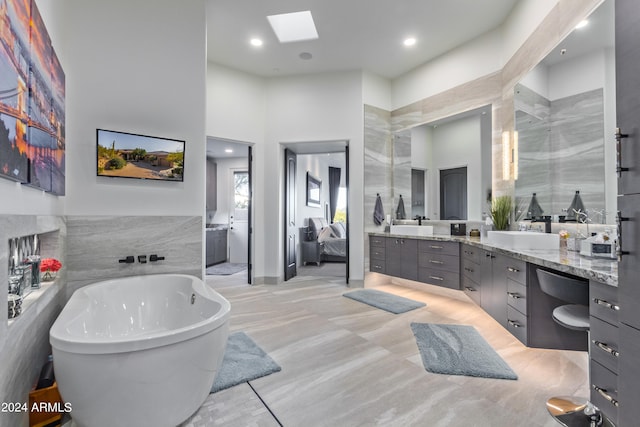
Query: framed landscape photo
{"x": 313, "y": 191}
{"x": 129, "y": 155}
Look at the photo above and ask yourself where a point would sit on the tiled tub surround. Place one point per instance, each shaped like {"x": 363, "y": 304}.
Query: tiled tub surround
{"x": 24, "y": 341}
{"x": 97, "y": 243}
{"x": 599, "y": 269}
{"x": 89, "y": 248}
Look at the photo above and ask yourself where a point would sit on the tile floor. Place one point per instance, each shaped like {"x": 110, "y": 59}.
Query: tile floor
{"x": 345, "y": 363}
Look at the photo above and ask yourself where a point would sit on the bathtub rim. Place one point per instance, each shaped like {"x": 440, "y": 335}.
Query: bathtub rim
{"x": 62, "y": 341}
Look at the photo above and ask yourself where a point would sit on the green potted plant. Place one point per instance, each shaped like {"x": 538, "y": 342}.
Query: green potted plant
{"x": 501, "y": 212}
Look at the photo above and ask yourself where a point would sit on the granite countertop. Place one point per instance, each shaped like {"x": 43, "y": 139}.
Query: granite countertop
{"x": 603, "y": 270}
{"x": 216, "y": 227}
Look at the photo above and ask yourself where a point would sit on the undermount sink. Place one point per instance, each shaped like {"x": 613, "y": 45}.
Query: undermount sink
{"x": 412, "y": 230}
{"x": 524, "y": 239}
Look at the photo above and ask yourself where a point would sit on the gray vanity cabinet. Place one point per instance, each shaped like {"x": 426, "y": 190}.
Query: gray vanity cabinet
{"x": 377, "y": 254}
{"x": 471, "y": 273}
{"x": 439, "y": 263}
{"x": 216, "y": 246}
{"x": 401, "y": 257}
{"x": 605, "y": 347}
{"x": 627, "y": 53}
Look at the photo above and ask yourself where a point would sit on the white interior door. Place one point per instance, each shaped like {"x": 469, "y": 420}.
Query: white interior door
{"x": 239, "y": 216}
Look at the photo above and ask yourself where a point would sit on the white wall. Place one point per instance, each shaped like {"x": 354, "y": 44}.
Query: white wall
{"x": 468, "y": 62}
{"x": 137, "y": 69}
{"x": 376, "y": 91}
{"x": 224, "y": 185}
{"x": 522, "y": 21}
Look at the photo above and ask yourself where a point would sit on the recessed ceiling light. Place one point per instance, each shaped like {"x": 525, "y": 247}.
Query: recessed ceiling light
{"x": 409, "y": 41}
{"x": 228, "y": 150}
{"x": 306, "y": 56}
{"x": 256, "y": 42}
{"x": 293, "y": 27}
{"x": 582, "y": 24}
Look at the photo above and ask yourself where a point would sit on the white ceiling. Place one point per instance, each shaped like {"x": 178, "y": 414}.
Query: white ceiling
{"x": 353, "y": 34}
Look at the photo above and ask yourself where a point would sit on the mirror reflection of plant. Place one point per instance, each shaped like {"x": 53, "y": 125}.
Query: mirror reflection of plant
{"x": 501, "y": 212}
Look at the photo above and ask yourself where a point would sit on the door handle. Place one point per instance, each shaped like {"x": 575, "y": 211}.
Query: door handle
{"x": 619, "y": 137}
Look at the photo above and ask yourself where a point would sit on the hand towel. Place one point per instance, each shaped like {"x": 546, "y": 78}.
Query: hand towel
{"x": 378, "y": 211}
{"x": 400, "y": 213}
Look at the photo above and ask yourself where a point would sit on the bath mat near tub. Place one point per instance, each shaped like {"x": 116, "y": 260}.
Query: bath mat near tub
{"x": 226, "y": 269}
{"x": 243, "y": 361}
{"x": 458, "y": 350}
{"x": 384, "y": 301}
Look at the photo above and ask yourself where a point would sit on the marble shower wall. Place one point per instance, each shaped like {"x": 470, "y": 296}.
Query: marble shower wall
{"x": 561, "y": 145}
{"x": 97, "y": 243}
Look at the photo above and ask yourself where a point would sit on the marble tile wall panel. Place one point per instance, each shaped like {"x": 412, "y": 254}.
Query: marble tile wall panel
{"x": 377, "y": 169}
{"x": 556, "y": 141}
{"x": 534, "y": 141}
{"x": 96, "y": 243}
{"x": 577, "y": 147}
{"x": 24, "y": 343}
{"x": 401, "y": 171}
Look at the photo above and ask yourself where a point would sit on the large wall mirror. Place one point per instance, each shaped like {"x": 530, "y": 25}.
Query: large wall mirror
{"x": 565, "y": 121}
{"x": 442, "y": 169}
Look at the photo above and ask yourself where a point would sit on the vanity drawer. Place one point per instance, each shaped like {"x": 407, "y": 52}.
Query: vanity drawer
{"x": 515, "y": 269}
{"x": 517, "y": 324}
{"x": 604, "y": 390}
{"x": 435, "y": 246}
{"x": 377, "y": 241}
{"x": 471, "y": 270}
{"x": 604, "y": 343}
{"x": 603, "y": 302}
{"x": 377, "y": 252}
{"x": 377, "y": 265}
{"x": 471, "y": 288}
{"x": 517, "y": 296}
{"x": 439, "y": 262}
{"x": 471, "y": 253}
{"x": 447, "y": 279}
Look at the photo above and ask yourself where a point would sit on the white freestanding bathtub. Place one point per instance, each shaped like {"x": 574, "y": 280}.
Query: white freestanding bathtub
{"x": 139, "y": 351}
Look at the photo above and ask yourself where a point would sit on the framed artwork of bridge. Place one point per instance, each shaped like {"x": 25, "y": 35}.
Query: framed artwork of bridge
{"x": 32, "y": 98}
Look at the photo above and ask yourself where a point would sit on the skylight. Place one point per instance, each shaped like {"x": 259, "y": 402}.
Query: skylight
{"x": 293, "y": 27}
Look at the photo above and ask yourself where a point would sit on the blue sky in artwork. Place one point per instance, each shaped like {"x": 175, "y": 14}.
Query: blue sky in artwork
{"x": 126, "y": 141}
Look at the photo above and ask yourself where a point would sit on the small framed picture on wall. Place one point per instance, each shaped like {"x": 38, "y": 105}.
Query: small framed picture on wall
{"x": 313, "y": 191}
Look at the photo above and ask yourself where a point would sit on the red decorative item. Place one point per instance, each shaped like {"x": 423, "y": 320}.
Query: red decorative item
{"x": 50, "y": 264}
{"x": 49, "y": 267}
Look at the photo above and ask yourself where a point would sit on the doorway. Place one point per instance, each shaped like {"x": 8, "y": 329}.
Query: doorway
{"x": 453, "y": 193}
{"x": 229, "y": 195}
{"x": 316, "y": 210}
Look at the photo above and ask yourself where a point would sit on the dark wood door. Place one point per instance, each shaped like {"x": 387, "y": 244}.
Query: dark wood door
{"x": 628, "y": 267}
{"x": 250, "y": 214}
{"x": 402, "y": 258}
{"x": 290, "y": 230}
{"x": 453, "y": 193}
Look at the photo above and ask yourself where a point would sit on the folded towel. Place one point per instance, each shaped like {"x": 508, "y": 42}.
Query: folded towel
{"x": 378, "y": 211}
{"x": 576, "y": 206}
{"x": 534, "y": 209}
{"x": 400, "y": 213}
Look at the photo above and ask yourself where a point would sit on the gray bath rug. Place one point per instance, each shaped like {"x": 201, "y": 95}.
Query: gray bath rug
{"x": 458, "y": 350}
{"x": 225, "y": 269}
{"x": 243, "y": 361}
{"x": 385, "y": 301}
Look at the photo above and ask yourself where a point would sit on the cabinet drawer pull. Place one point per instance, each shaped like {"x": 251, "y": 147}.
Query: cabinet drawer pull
{"x": 470, "y": 289}
{"x": 436, "y": 247}
{"x": 607, "y": 304}
{"x": 514, "y": 324}
{"x": 433, "y": 261}
{"x": 514, "y": 295}
{"x": 377, "y": 267}
{"x": 513, "y": 270}
{"x": 605, "y": 347}
{"x": 608, "y": 397}
{"x": 470, "y": 270}
{"x": 468, "y": 252}
{"x": 435, "y": 278}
